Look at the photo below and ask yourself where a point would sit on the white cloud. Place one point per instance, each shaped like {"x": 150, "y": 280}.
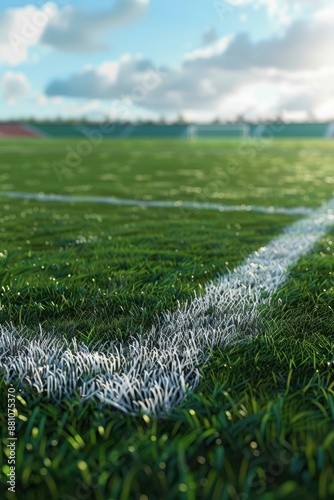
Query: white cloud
{"x": 14, "y": 86}
{"x": 110, "y": 80}
{"x": 20, "y": 29}
{"x": 282, "y": 12}
{"x": 87, "y": 106}
{"x": 215, "y": 49}
{"x": 224, "y": 77}
{"x": 231, "y": 76}
{"x": 75, "y": 30}
{"x": 66, "y": 29}
{"x": 306, "y": 44}
{"x": 41, "y": 100}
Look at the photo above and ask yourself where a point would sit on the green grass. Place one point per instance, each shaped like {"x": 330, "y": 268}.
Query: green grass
{"x": 95, "y": 270}
{"x": 260, "y": 424}
{"x": 283, "y": 173}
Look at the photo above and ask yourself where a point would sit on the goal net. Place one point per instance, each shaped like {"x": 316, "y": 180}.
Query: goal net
{"x": 218, "y": 131}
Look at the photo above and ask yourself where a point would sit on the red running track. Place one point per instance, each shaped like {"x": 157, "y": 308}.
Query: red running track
{"x": 14, "y": 130}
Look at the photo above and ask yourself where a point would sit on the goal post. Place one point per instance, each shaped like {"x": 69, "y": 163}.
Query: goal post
{"x": 238, "y": 131}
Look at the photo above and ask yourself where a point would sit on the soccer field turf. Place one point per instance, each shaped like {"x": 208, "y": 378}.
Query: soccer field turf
{"x": 259, "y": 424}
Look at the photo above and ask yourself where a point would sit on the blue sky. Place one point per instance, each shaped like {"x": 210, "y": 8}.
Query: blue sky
{"x": 257, "y": 58}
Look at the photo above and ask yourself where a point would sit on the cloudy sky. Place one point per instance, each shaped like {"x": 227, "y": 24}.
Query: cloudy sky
{"x": 161, "y": 58}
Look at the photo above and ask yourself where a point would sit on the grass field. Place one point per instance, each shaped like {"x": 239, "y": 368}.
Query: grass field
{"x": 260, "y": 423}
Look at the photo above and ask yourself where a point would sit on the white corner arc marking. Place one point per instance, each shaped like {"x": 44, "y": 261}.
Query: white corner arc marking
{"x": 154, "y": 373}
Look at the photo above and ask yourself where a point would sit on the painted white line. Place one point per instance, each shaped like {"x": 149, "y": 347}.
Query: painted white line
{"x": 154, "y": 373}
{"x": 106, "y": 200}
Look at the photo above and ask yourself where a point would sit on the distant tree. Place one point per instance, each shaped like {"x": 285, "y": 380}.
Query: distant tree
{"x": 240, "y": 119}
{"x": 180, "y": 120}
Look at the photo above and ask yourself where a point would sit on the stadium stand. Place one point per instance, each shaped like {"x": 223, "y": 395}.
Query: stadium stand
{"x": 156, "y": 131}
{"x": 269, "y": 130}
{"x": 15, "y": 130}
{"x": 294, "y": 130}
{"x": 106, "y": 130}
{"x": 58, "y": 130}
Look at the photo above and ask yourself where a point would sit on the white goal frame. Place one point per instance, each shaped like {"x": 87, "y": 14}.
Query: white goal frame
{"x": 194, "y": 131}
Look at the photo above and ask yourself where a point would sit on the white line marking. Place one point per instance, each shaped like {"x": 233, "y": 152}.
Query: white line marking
{"x": 156, "y": 204}
{"x": 154, "y": 373}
